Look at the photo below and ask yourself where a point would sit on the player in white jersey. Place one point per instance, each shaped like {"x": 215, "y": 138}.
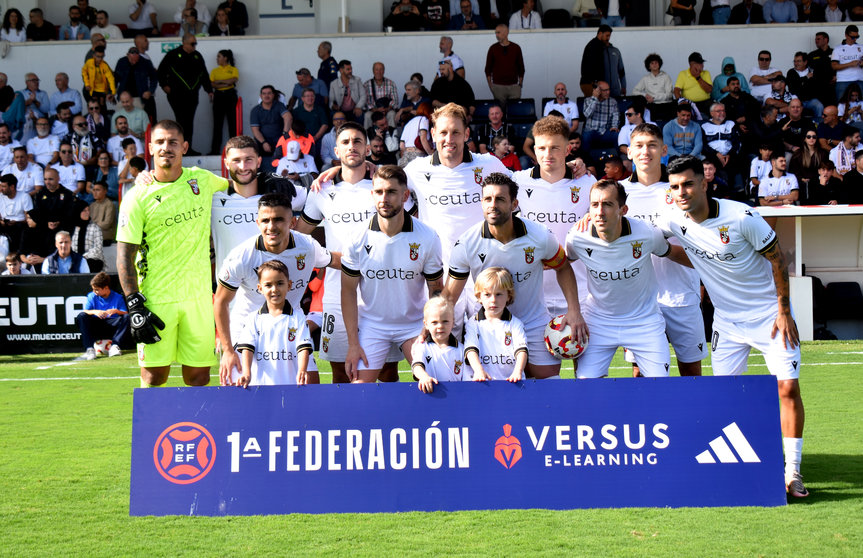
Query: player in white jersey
{"x": 679, "y": 298}
{"x": 391, "y": 262}
{"x": 549, "y": 194}
{"x": 344, "y": 206}
{"x": 621, "y": 308}
{"x": 275, "y": 241}
{"x": 738, "y": 257}
{"x": 524, "y": 248}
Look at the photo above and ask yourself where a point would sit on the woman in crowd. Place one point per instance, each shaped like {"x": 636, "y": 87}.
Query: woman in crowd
{"x": 224, "y": 78}
{"x": 13, "y": 29}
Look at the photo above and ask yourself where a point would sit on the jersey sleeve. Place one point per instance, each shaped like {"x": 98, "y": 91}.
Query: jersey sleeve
{"x": 471, "y": 337}
{"x": 433, "y": 267}
{"x": 212, "y": 182}
{"x": 323, "y": 258}
{"x": 661, "y": 247}
{"x": 231, "y": 274}
{"x": 299, "y": 201}
{"x": 553, "y": 254}
{"x": 570, "y": 245}
{"x": 792, "y": 182}
{"x": 248, "y": 337}
{"x": 459, "y": 264}
{"x": 351, "y": 260}
{"x": 312, "y": 213}
{"x": 663, "y": 222}
{"x": 763, "y": 188}
{"x": 303, "y": 340}
{"x": 130, "y": 221}
{"x": 756, "y": 231}
{"x": 80, "y": 175}
{"x": 519, "y": 339}
{"x": 418, "y": 351}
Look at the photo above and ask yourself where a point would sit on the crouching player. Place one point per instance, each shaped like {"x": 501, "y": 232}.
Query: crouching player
{"x": 439, "y": 357}
{"x": 275, "y": 343}
{"x": 495, "y": 344}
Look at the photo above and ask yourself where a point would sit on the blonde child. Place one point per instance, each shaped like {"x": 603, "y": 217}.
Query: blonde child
{"x": 495, "y": 344}
{"x": 440, "y": 357}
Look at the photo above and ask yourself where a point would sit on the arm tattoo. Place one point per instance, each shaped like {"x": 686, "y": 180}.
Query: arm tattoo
{"x": 780, "y": 275}
{"x": 126, "y": 267}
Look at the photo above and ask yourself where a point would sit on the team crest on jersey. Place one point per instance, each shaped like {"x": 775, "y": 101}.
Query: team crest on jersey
{"x": 193, "y": 183}
{"x": 668, "y": 199}
{"x": 573, "y": 193}
{"x": 723, "y": 235}
{"x": 301, "y": 261}
{"x": 292, "y": 333}
{"x": 415, "y": 251}
{"x": 528, "y": 254}
{"x": 325, "y": 344}
{"x": 456, "y": 369}
{"x": 477, "y": 175}
{"x": 507, "y": 338}
{"x": 636, "y": 249}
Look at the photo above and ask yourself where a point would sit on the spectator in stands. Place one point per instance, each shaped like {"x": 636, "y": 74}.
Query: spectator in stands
{"x": 378, "y": 154}
{"x": 87, "y": 240}
{"x": 38, "y": 29}
{"x": 779, "y": 96}
{"x": 329, "y": 68}
{"x": 98, "y": 79}
{"x": 435, "y": 14}
{"x": 820, "y": 60}
{"x": 801, "y": 83}
{"x": 851, "y": 189}
{"x": 98, "y": 125}
{"x": 103, "y": 212}
{"x": 105, "y": 27}
{"x": 221, "y": 25}
{"x": 306, "y": 81}
{"x": 807, "y": 160}
{"x": 313, "y": 116}
{"x": 142, "y": 43}
{"x": 843, "y": 154}
{"x": 28, "y": 174}
{"x": 104, "y": 317}
{"x": 411, "y": 101}
{"x": 328, "y": 142}
{"x": 614, "y": 168}
{"x": 107, "y": 175}
{"x": 847, "y": 60}
{"x": 682, "y": 136}
{"x": 681, "y": 12}
{"x": 452, "y": 88}
{"x": 526, "y": 17}
{"x": 122, "y": 133}
{"x": 831, "y": 130}
{"x": 63, "y": 259}
{"x": 36, "y": 101}
{"x": 780, "y": 188}
{"x": 503, "y": 150}
{"x": 13, "y": 27}
{"x": 201, "y": 9}
{"x": 586, "y": 13}
{"x": 65, "y": 94}
{"x": 602, "y": 122}
{"x": 75, "y": 30}
{"x": 634, "y": 116}
{"x": 71, "y": 173}
{"x": 44, "y": 147}
{"x": 182, "y": 73}
{"x": 740, "y": 106}
{"x": 656, "y": 88}
{"x": 851, "y": 107}
{"x": 347, "y": 93}
{"x": 447, "y": 53}
{"x": 11, "y": 105}
{"x": 834, "y": 13}
{"x": 717, "y": 187}
{"x": 613, "y": 13}
{"x": 268, "y": 121}
{"x": 191, "y": 25}
{"x": 694, "y": 83}
{"x": 601, "y": 61}
{"x": 765, "y": 130}
{"x": 826, "y": 189}
{"x": 134, "y": 74}
{"x": 296, "y": 166}
{"x": 224, "y": 77}
{"x": 381, "y": 128}
{"x": 795, "y": 127}
{"x": 7, "y": 144}
{"x": 780, "y": 11}
{"x": 404, "y": 15}
{"x": 759, "y": 168}
{"x": 13, "y": 265}
{"x": 53, "y": 210}
{"x": 760, "y": 76}
{"x": 136, "y": 119}
{"x": 96, "y": 39}
{"x": 14, "y": 207}
{"x": 416, "y": 134}
{"x": 381, "y": 95}
{"x": 62, "y": 125}
{"x": 495, "y": 127}
{"x": 561, "y": 103}
{"x": 238, "y": 16}
{"x": 89, "y": 14}
{"x": 504, "y": 67}
{"x": 466, "y": 19}
{"x": 129, "y": 166}
{"x": 720, "y": 82}
{"x": 577, "y": 152}
{"x": 720, "y": 11}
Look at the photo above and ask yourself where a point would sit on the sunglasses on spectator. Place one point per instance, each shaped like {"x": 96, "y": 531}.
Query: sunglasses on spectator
{"x": 65, "y": 151}
{"x": 629, "y": 113}
{"x": 811, "y": 136}
{"x": 854, "y": 36}
{"x": 762, "y": 59}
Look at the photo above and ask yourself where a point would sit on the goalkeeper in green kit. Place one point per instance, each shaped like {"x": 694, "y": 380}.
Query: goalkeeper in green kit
{"x": 163, "y": 259}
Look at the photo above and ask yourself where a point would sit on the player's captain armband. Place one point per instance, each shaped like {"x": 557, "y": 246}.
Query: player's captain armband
{"x": 556, "y": 261}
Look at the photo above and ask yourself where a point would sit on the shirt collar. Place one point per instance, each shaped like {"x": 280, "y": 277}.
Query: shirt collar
{"x": 286, "y": 309}
{"x": 625, "y": 228}
{"x": 567, "y": 175}
{"x": 452, "y": 341}
{"x": 518, "y": 228}
{"x": 407, "y": 226}
{"x": 338, "y": 178}
{"x": 259, "y": 243}
{"x": 468, "y": 157}
{"x": 506, "y": 316}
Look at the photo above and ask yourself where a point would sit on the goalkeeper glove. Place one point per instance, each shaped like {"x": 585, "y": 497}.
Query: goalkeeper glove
{"x": 143, "y": 322}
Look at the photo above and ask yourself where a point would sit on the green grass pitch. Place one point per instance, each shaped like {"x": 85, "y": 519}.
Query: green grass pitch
{"x": 65, "y": 432}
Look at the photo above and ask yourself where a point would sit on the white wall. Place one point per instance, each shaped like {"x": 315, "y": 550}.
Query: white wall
{"x": 550, "y": 56}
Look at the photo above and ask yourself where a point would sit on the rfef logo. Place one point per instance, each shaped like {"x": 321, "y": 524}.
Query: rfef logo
{"x": 184, "y": 453}
{"x": 507, "y": 448}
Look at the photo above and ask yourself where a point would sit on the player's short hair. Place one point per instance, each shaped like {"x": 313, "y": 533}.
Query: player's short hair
{"x": 686, "y": 163}
{"x": 274, "y": 265}
{"x": 101, "y": 280}
{"x": 351, "y": 126}
{"x": 609, "y": 184}
{"x": 652, "y": 57}
{"x": 138, "y": 163}
{"x": 391, "y": 172}
{"x": 242, "y": 142}
{"x": 170, "y": 126}
{"x": 551, "y": 126}
{"x": 438, "y": 303}
{"x": 275, "y": 199}
{"x": 495, "y": 278}
{"x": 500, "y": 179}
{"x": 647, "y": 129}
{"x": 451, "y": 110}
{"x": 9, "y": 179}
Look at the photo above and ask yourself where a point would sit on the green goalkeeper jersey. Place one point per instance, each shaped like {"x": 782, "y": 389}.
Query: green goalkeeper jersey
{"x": 170, "y": 221}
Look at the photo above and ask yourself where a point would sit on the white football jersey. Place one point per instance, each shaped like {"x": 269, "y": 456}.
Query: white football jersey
{"x": 845, "y": 54}
{"x": 70, "y": 176}
{"x": 678, "y": 285}
{"x": 621, "y": 280}
{"x": 497, "y": 343}
{"x": 42, "y": 149}
{"x": 533, "y": 247}
{"x": 29, "y": 178}
{"x": 393, "y": 271}
{"x": 726, "y": 249}
{"x": 773, "y": 186}
{"x": 445, "y": 364}
{"x": 239, "y": 272}
{"x": 450, "y": 200}
{"x": 559, "y": 207}
{"x": 275, "y": 342}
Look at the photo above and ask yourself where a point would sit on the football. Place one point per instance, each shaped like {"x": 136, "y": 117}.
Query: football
{"x": 559, "y": 341}
{"x": 102, "y": 346}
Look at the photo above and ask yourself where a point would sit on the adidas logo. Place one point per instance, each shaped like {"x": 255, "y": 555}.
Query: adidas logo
{"x": 724, "y": 453}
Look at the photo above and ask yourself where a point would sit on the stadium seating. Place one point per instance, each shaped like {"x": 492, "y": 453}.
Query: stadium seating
{"x": 480, "y": 113}
{"x": 520, "y": 110}
{"x": 556, "y": 19}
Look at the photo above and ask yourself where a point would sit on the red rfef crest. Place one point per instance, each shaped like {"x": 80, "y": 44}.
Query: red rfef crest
{"x": 325, "y": 344}
{"x": 723, "y": 235}
{"x": 301, "y": 261}
{"x": 184, "y": 453}
{"x": 507, "y": 338}
{"x": 636, "y": 249}
{"x": 507, "y": 448}
{"x": 193, "y": 184}
{"x": 528, "y": 254}
{"x": 415, "y": 251}
{"x": 668, "y": 198}
{"x": 456, "y": 369}
{"x": 477, "y": 175}
{"x": 292, "y": 333}
{"x": 573, "y": 193}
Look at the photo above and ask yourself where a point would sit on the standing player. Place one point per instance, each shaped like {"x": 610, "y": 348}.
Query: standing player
{"x": 299, "y": 252}
{"x": 549, "y": 194}
{"x": 166, "y": 224}
{"x": 523, "y": 248}
{"x": 679, "y": 299}
{"x": 390, "y": 262}
{"x": 735, "y": 252}
{"x": 621, "y": 308}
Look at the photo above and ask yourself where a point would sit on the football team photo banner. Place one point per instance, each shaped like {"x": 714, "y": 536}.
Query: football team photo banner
{"x": 553, "y": 444}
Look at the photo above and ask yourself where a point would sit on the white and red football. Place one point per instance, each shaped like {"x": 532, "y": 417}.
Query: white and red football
{"x": 559, "y": 340}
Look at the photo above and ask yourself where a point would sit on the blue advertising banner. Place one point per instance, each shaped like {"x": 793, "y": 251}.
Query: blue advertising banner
{"x": 389, "y": 448}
